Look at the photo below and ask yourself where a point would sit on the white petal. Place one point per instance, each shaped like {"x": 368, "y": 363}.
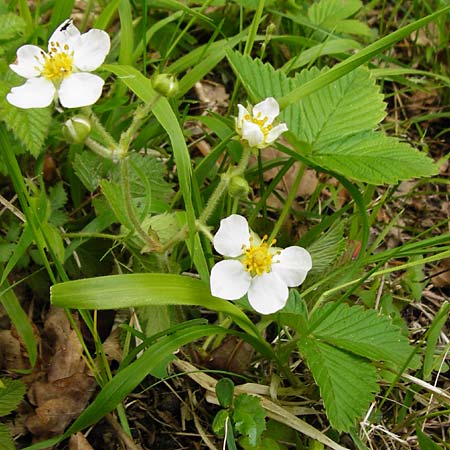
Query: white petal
{"x": 229, "y": 280}
{"x": 267, "y": 293}
{"x": 29, "y": 61}
{"x": 252, "y": 133}
{"x": 292, "y": 265}
{"x": 242, "y": 113}
{"x": 91, "y": 49}
{"x": 80, "y": 89}
{"x": 35, "y": 93}
{"x": 66, "y": 33}
{"x": 275, "y": 132}
{"x": 232, "y": 235}
{"x": 267, "y": 108}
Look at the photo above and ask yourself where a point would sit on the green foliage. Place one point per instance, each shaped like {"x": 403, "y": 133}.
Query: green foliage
{"x": 362, "y": 332}
{"x": 340, "y": 343}
{"x": 434, "y": 331}
{"x": 325, "y": 250}
{"x": 90, "y": 169}
{"x": 347, "y": 382}
{"x": 225, "y": 392}
{"x": 11, "y": 394}
{"x": 11, "y": 25}
{"x": 425, "y": 443}
{"x": 332, "y": 15}
{"x": 58, "y": 198}
{"x": 6, "y": 441}
{"x": 29, "y": 126}
{"x": 249, "y": 417}
{"x": 329, "y": 127}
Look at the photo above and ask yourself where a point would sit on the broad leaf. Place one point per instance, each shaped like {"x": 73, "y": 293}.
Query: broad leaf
{"x": 347, "y": 382}
{"x": 374, "y": 158}
{"x": 335, "y": 111}
{"x": 363, "y": 332}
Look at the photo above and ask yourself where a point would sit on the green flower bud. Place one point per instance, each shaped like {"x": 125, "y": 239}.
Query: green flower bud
{"x": 77, "y": 129}
{"x": 238, "y": 187}
{"x": 165, "y": 84}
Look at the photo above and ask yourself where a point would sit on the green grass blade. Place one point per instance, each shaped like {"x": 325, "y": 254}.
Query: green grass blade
{"x": 142, "y": 289}
{"x": 60, "y": 12}
{"x": 126, "y": 33}
{"x": 20, "y": 320}
{"x": 106, "y": 16}
{"x": 356, "y": 60}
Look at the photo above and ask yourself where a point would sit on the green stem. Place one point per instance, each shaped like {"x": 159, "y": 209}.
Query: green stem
{"x": 114, "y": 154}
{"x": 150, "y": 237}
{"x": 139, "y": 116}
{"x": 223, "y": 184}
{"x": 288, "y": 202}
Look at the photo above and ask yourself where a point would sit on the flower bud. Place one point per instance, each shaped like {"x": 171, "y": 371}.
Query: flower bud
{"x": 77, "y": 129}
{"x": 238, "y": 187}
{"x": 165, "y": 84}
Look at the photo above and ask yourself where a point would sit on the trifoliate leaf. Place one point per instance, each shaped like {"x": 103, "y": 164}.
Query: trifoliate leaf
{"x": 249, "y": 417}
{"x": 11, "y": 394}
{"x": 363, "y": 332}
{"x": 336, "y": 123}
{"x": 347, "y": 382}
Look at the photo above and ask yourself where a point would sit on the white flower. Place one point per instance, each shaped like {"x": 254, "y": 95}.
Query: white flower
{"x": 256, "y": 125}
{"x": 258, "y": 269}
{"x": 62, "y": 72}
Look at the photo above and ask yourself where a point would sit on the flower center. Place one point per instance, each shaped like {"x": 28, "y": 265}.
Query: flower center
{"x": 261, "y": 122}
{"x": 258, "y": 259}
{"x": 58, "y": 64}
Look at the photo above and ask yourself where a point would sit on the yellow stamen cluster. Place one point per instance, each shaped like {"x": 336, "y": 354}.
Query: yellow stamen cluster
{"x": 258, "y": 259}
{"x": 261, "y": 122}
{"x": 58, "y": 64}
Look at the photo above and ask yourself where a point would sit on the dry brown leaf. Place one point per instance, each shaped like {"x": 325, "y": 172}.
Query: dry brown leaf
{"x": 112, "y": 347}
{"x": 67, "y": 387}
{"x": 11, "y": 354}
{"x": 441, "y": 278}
{"x": 66, "y": 359}
{"x": 233, "y": 354}
{"x": 79, "y": 442}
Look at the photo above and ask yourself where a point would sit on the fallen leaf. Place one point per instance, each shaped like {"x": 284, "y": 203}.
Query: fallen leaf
{"x": 63, "y": 391}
